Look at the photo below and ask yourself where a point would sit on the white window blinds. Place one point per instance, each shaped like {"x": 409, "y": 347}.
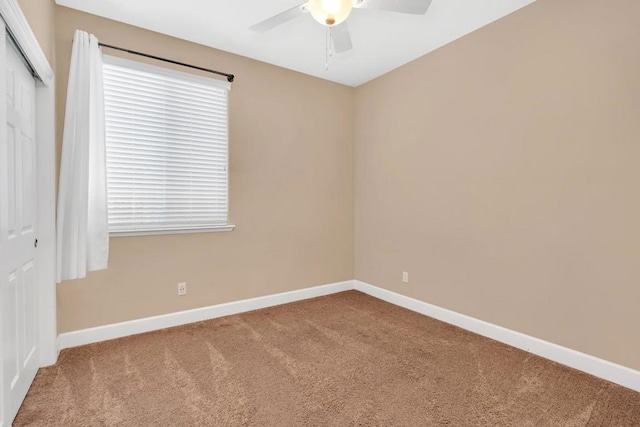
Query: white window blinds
{"x": 167, "y": 147}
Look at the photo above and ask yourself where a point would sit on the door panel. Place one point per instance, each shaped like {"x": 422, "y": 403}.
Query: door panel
{"x": 29, "y": 319}
{"x": 28, "y": 190}
{"x": 11, "y": 182}
{"x": 18, "y": 262}
{"x": 9, "y": 310}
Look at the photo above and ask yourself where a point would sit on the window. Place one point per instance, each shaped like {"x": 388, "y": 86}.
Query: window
{"x": 167, "y": 148}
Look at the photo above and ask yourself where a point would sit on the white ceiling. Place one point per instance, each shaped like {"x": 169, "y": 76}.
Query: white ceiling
{"x": 382, "y": 41}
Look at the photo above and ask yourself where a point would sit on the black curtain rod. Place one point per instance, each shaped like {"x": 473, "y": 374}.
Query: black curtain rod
{"x": 229, "y": 77}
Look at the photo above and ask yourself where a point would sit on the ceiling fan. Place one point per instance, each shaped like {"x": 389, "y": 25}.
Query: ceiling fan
{"x": 333, "y": 13}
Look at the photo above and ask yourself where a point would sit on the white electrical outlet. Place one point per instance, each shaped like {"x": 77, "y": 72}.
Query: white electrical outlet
{"x": 405, "y": 277}
{"x": 182, "y": 288}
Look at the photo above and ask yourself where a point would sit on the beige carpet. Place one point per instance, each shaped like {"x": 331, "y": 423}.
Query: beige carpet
{"x": 341, "y": 360}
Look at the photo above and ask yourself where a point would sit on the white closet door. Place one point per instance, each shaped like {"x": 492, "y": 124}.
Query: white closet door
{"x": 18, "y": 273}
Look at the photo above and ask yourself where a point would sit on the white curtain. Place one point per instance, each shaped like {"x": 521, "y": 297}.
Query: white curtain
{"x": 83, "y": 234}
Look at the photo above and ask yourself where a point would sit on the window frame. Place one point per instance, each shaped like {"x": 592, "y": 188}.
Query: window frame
{"x": 149, "y": 68}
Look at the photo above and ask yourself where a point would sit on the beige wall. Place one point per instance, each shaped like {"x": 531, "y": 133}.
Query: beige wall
{"x": 503, "y": 173}
{"x": 40, "y": 15}
{"x": 291, "y": 193}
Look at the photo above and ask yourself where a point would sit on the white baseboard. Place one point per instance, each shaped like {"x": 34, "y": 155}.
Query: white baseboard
{"x": 618, "y": 374}
{"x": 609, "y": 371}
{"x": 148, "y": 324}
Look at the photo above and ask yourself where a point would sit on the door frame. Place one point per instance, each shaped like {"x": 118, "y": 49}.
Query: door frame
{"x": 16, "y": 24}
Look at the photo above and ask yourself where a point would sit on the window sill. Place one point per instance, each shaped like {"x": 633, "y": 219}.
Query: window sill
{"x": 172, "y": 231}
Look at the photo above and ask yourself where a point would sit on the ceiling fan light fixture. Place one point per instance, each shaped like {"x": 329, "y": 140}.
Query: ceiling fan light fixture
{"x": 330, "y": 12}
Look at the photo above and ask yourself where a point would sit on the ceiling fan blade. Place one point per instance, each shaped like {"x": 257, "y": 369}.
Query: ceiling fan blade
{"x": 414, "y": 7}
{"x": 341, "y": 38}
{"x": 280, "y": 19}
